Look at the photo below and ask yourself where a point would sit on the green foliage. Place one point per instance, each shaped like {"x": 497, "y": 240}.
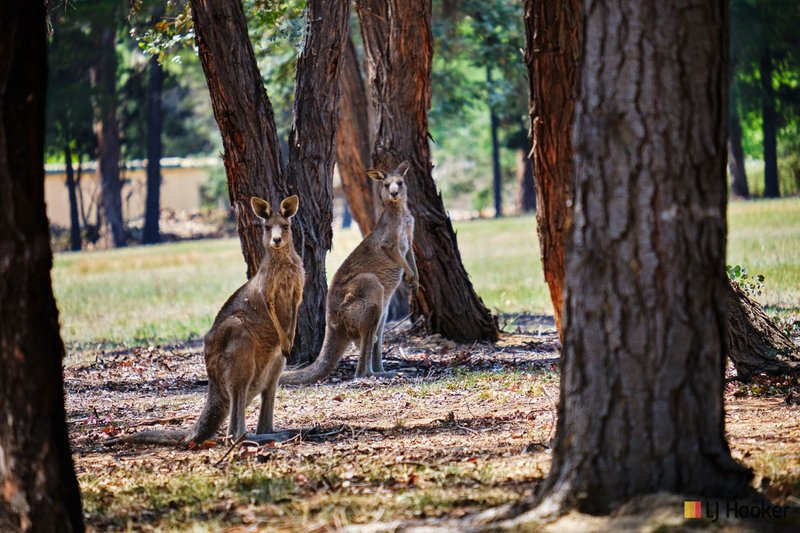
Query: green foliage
{"x": 215, "y": 190}
{"x": 751, "y": 285}
{"x": 758, "y": 27}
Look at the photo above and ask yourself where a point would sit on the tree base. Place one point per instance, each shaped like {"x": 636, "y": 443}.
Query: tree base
{"x": 755, "y": 343}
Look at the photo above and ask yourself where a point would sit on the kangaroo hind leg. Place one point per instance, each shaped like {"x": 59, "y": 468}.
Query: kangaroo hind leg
{"x": 265, "y": 418}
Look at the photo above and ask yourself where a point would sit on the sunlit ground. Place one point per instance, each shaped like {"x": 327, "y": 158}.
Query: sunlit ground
{"x": 172, "y": 291}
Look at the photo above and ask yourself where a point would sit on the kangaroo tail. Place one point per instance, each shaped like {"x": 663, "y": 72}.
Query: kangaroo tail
{"x": 207, "y": 424}
{"x": 333, "y": 348}
{"x": 171, "y": 437}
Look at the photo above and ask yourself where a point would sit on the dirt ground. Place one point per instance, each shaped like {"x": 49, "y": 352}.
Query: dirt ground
{"x": 465, "y": 428}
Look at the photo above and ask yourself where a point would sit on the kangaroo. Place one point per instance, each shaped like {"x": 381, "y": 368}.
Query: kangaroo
{"x": 360, "y": 292}
{"x": 247, "y": 346}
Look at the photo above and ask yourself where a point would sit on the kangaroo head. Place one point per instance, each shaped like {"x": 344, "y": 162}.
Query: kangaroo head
{"x": 394, "y": 187}
{"x": 277, "y": 225}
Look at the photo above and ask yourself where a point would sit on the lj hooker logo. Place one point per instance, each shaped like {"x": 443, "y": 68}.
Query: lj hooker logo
{"x": 731, "y": 509}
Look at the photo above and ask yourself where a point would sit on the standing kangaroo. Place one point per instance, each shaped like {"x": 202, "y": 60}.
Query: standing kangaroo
{"x": 247, "y": 346}
{"x": 358, "y": 299}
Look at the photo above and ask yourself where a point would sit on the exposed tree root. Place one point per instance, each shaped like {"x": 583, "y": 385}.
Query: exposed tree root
{"x": 755, "y": 343}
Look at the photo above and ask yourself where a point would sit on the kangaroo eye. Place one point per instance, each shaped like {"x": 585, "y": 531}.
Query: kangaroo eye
{"x": 386, "y": 186}
{"x": 285, "y": 226}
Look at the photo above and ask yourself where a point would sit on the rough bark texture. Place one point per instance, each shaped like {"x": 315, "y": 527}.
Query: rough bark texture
{"x": 74, "y": 221}
{"x": 104, "y": 81}
{"x": 38, "y": 489}
{"x": 739, "y": 186}
{"x": 311, "y": 158}
{"x": 244, "y": 116}
{"x": 252, "y": 156}
{"x": 525, "y": 198}
{"x": 150, "y": 233}
{"x": 552, "y": 37}
{"x": 353, "y": 144}
{"x": 642, "y": 368}
{"x": 755, "y": 343}
{"x": 398, "y": 44}
{"x": 769, "y": 126}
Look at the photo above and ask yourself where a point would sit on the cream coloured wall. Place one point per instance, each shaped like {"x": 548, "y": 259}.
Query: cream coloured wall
{"x": 181, "y": 181}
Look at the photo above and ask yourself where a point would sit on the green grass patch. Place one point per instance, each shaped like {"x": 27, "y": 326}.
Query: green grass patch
{"x": 172, "y": 292}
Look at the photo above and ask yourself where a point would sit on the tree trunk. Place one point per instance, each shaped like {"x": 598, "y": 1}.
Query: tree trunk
{"x": 79, "y": 187}
{"x": 552, "y": 31}
{"x": 38, "y": 488}
{"x": 497, "y": 180}
{"x": 312, "y": 154}
{"x": 642, "y": 369}
{"x": 739, "y": 186}
{"x": 74, "y": 222}
{"x": 755, "y": 343}
{"x": 252, "y": 156}
{"x": 244, "y": 116}
{"x": 150, "y": 233}
{"x": 526, "y": 186}
{"x": 399, "y": 47}
{"x": 769, "y": 126}
{"x": 104, "y": 79}
{"x": 352, "y": 142}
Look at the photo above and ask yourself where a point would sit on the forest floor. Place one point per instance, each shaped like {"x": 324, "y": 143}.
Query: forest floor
{"x": 464, "y": 429}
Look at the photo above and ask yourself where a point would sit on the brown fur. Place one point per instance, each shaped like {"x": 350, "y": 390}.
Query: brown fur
{"x": 361, "y": 289}
{"x": 246, "y": 347}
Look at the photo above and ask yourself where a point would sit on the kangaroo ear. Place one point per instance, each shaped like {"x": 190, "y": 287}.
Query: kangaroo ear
{"x": 402, "y": 168}
{"x": 377, "y": 175}
{"x": 289, "y": 206}
{"x": 260, "y": 207}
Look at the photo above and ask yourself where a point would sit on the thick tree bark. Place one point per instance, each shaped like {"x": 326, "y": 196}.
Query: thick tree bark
{"x": 38, "y": 488}
{"x": 525, "y": 201}
{"x": 497, "y": 179}
{"x": 244, "y": 116}
{"x": 739, "y": 186}
{"x": 399, "y": 47}
{"x": 312, "y": 154}
{"x": 74, "y": 222}
{"x": 642, "y": 369}
{"x": 769, "y": 126}
{"x": 252, "y": 155}
{"x": 150, "y": 233}
{"x": 755, "y": 343}
{"x": 353, "y": 142}
{"x": 104, "y": 79}
{"x": 552, "y": 33}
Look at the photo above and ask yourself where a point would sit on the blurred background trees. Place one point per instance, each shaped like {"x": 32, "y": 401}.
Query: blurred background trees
{"x": 101, "y": 104}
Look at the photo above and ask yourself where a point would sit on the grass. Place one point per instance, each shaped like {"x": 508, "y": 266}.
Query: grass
{"x": 172, "y": 292}
{"x": 764, "y": 236}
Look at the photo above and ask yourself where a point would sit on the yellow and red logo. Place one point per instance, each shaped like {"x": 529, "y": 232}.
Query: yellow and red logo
{"x": 692, "y": 509}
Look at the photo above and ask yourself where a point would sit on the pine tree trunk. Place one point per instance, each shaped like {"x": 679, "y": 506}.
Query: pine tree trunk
{"x": 769, "y": 126}
{"x": 352, "y": 142}
{"x": 104, "y": 79}
{"x": 312, "y": 154}
{"x": 552, "y": 50}
{"x": 739, "y": 186}
{"x": 38, "y": 488}
{"x": 755, "y": 343}
{"x": 399, "y": 48}
{"x": 74, "y": 222}
{"x": 642, "y": 368}
{"x": 150, "y": 233}
{"x": 526, "y": 186}
{"x": 252, "y": 154}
